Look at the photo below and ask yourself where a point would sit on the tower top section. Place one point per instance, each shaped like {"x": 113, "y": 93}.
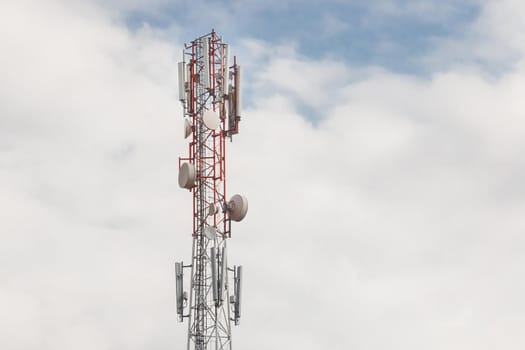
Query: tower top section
{"x": 210, "y": 93}
{"x": 206, "y": 70}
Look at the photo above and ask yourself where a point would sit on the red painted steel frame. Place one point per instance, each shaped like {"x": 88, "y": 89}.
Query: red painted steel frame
{"x": 211, "y": 167}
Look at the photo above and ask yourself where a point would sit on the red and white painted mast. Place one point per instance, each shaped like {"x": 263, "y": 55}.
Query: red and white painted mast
{"x": 209, "y": 89}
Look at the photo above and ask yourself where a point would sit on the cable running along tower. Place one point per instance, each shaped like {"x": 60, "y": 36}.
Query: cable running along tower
{"x": 209, "y": 89}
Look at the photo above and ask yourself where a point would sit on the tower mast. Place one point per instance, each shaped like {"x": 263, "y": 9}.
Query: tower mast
{"x": 209, "y": 89}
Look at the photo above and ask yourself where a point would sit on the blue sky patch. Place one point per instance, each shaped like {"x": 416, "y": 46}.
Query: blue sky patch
{"x": 357, "y": 33}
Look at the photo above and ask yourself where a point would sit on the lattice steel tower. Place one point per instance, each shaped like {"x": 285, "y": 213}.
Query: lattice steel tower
{"x": 209, "y": 89}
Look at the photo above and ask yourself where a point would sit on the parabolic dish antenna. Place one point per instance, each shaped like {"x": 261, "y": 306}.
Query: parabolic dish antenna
{"x": 213, "y": 209}
{"x": 210, "y": 232}
{"x": 187, "y": 175}
{"x": 237, "y": 207}
{"x": 187, "y": 128}
{"x": 211, "y": 120}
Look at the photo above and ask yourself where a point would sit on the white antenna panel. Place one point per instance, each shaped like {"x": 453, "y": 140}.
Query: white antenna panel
{"x": 206, "y": 60}
{"x": 213, "y": 258}
{"x": 188, "y": 72}
{"x": 188, "y": 79}
{"x": 187, "y": 128}
{"x": 187, "y": 175}
{"x": 211, "y": 120}
{"x": 180, "y": 293}
{"x": 226, "y": 57}
{"x": 182, "y": 81}
{"x": 237, "y": 207}
{"x": 223, "y": 267}
{"x": 226, "y": 73}
{"x": 238, "y": 92}
{"x": 238, "y": 292}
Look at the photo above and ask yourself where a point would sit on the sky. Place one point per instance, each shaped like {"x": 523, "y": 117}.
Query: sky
{"x": 381, "y": 151}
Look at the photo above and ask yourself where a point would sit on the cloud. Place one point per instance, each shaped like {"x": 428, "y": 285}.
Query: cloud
{"x": 490, "y": 43}
{"x": 384, "y": 216}
{"x": 86, "y": 109}
{"x": 423, "y": 10}
{"x": 393, "y": 220}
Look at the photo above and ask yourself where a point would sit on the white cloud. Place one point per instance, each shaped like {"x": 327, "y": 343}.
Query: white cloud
{"x": 395, "y": 221}
{"x": 492, "y": 41}
{"x": 423, "y": 10}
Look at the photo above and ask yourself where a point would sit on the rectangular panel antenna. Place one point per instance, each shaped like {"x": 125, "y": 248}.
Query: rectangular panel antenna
{"x": 237, "y": 288}
{"x": 214, "y": 275}
{"x": 206, "y": 59}
{"x": 226, "y": 72}
{"x": 222, "y": 277}
{"x": 237, "y": 92}
{"x": 182, "y": 81}
{"x": 231, "y": 111}
{"x": 179, "y": 289}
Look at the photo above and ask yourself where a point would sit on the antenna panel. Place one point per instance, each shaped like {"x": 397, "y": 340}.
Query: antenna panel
{"x": 189, "y": 81}
{"x": 231, "y": 111}
{"x": 206, "y": 61}
{"x": 182, "y": 82}
{"x": 187, "y": 128}
{"x": 179, "y": 289}
{"x": 187, "y": 175}
{"x": 214, "y": 278}
{"x": 226, "y": 72}
{"x": 238, "y": 91}
{"x": 237, "y": 287}
{"x": 222, "y": 277}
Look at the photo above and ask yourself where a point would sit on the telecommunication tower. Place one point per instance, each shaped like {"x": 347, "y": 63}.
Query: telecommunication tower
{"x": 209, "y": 89}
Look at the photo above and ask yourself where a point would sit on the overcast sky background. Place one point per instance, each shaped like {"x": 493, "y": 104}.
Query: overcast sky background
{"x": 381, "y": 149}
